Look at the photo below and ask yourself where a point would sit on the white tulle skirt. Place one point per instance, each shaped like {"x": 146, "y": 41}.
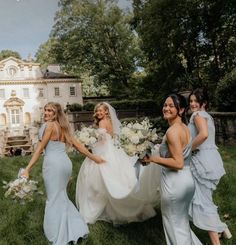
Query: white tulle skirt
{"x": 113, "y": 191}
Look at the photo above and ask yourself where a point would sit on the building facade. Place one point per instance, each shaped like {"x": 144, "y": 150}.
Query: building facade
{"x": 25, "y": 89}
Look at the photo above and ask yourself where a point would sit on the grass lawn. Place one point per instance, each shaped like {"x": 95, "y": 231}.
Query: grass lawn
{"x": 22, "y": 224}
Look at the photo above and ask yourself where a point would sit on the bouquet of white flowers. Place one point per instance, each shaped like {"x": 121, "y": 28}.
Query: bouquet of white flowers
{"x": 87, "y": 136}
{"x": 21, "y": 190}
{"x": 138, "y": 138}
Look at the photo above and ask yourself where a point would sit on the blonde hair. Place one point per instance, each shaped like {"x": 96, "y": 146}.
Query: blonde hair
{"x": 104, "y": 105}
{"x": 61, "y": 118}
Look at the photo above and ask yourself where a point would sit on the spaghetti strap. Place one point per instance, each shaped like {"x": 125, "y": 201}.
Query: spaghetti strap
{"x": 58, "y": 133}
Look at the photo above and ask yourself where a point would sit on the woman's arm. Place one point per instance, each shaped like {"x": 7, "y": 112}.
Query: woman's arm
{"x": 83, "y": 150}
{"x": 41, "y": 145}
{"x": 202, "y": 128}
{"x": 176, "y": 161}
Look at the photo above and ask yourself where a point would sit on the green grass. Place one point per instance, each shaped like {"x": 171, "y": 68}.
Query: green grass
{"x": 22, "y": 224}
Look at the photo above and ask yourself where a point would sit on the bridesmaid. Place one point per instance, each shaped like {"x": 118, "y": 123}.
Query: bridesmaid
{"x": 62, "y": 221}
{"x": 207, "y": 168}
{"x": 177, "y": 185}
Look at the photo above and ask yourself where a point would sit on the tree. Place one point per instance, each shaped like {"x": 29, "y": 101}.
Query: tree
{"x": 187, "y": 43}
{"x": 44, "y": 55}
{"x": 226, "y": 98}
{"x": 95, "y": 37}
{"x": 7, "y": 53}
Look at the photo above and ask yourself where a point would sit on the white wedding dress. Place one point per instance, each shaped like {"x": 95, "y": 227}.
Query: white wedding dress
{"x": 112, "y": 191}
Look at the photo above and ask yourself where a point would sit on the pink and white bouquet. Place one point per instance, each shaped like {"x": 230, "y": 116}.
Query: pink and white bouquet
{"x": 138, "y": 138}
{"x": 21, "y": 190}
{"x": 87, "y": 136}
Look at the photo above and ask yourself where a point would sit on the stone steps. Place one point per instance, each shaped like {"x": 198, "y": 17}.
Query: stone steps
{"x": 18, "y": 145}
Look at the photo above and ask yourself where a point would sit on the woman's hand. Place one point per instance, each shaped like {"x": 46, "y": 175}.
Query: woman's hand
{"x": 25, "y": 174}
{"x": 98, "y": 159}
{"x": 146, "y": 160}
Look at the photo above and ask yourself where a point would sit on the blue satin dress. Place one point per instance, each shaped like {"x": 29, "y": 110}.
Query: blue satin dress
{"x": 62, "y": 221}
{"x": 177, "y": 190}
{"x": 207, "y": 168}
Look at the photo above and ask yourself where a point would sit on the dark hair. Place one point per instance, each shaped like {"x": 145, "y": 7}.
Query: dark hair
{"x": 180, "y": 103}
{"x": 201, "y": 96}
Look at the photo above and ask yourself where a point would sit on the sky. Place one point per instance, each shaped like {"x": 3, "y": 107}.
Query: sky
{"x": 26, "y": 24}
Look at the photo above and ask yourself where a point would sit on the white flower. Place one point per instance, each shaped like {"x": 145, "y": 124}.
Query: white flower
{"x": 138, "y": 138}
{"x": 134, "y": 139}
{"x": 137, "y": 126}
{"x": 93, "y": 140}
{"x": 20, "y": 189}
{"x": 140, "y": 134}
{"x": 87, "y": 136}
{"x": 126, "y": 131}
{"x": 130, "y": 149}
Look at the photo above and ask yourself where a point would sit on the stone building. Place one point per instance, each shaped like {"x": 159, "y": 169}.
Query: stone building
{"x": 24, "y": 90}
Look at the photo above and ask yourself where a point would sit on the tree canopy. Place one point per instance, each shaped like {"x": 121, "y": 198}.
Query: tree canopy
{"x": 164, "y": 45}
{"x": 188, "y": 43}
{"x": 7, "y": 53}
{"x": 95, "y": 37}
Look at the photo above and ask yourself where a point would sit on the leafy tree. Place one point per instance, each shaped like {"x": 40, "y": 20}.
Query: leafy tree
{"x": 95, "y": 36}
{"x": 89, "y": 88}
{"x": 44, "y": 55}
{"x": 187, "y": 43}
{"x": 7, "y": 53}
{"x": 226, "y": 98}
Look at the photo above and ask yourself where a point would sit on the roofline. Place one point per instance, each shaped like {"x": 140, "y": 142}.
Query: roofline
{"x": 40, "y": 81}
{"x": 19, "y": 61}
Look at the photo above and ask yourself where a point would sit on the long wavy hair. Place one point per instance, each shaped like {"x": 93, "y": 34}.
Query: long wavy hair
{"x": 96, "y": 120}
{"x": 61, "y": 118}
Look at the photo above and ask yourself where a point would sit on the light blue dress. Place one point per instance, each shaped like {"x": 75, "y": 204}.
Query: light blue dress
{"x": 207, "y": 168}
{"x": 177, "y": 190}
{"x": 62, "y": 221}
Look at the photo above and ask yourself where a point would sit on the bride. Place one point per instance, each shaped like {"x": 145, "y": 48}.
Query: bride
{"x": 112, "y": 191}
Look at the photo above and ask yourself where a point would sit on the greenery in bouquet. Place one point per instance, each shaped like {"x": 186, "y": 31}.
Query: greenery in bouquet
{"x": 21, "y": 190}
{"x": 87, "y": 136}
{"x": 138, "y": 138}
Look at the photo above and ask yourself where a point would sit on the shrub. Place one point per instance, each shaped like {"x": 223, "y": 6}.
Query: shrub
{"x": 74, "y": 107}
{"x": 136, "y": 104}
{"x": 89, "y": 106}
{"x": 225, "y": 92}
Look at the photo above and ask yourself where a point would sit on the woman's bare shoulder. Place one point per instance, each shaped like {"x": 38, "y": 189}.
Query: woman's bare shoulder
{"x": 102, "y": 123}
{"x": 49, "y": 125}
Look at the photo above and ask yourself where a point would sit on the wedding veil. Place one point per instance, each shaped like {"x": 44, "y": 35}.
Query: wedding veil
{"x": 116, "y": 124}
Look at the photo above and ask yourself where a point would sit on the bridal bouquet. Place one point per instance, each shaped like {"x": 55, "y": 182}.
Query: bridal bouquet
{"x": 21, "y": 190}
{"x": 138, "y": 138}
{"x": 87, "y": 136}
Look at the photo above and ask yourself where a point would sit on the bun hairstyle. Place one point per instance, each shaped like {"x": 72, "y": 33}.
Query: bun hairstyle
{"x": 104, "y": 105}
{"x": 201, "y": 96}
{"x": 180, "y": 103}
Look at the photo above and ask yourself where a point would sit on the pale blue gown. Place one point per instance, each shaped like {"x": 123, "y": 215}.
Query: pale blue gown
{"x": 177, "y": 190}
{"x": 62, "y": 220}
{"x": 207, "y": 168}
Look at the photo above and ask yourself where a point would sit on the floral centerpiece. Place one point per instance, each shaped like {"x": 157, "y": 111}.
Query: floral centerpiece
{"x": 87, "y": 136}
{"x": 138, "y": 138}
{"x": 21, "y": 190}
